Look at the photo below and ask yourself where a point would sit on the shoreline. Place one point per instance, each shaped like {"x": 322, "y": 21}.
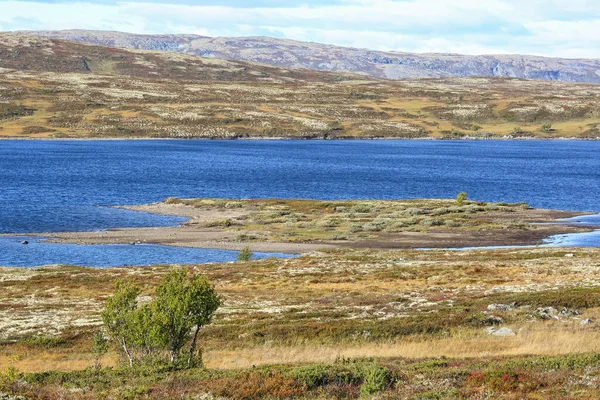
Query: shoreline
{"x": 284, "y": 139}
{"x": 194, "y": 233}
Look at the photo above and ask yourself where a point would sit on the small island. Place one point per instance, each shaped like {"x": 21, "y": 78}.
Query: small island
{"x": 301, "y": 226}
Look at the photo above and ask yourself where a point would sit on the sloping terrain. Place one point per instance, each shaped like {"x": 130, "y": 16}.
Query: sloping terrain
{"x": 32, "y": 53}
{"x": 289, "y": 53}
{"x": 53, "y": 88}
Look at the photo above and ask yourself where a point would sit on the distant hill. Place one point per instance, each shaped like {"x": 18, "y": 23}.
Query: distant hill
{"x": 34, "y": 53}
{"x": 50, "y": 88}
{"x": 393, "y": 65}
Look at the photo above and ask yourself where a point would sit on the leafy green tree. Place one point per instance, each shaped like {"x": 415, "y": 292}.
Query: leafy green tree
{"x": 182, "y": 304}
{"x": 118, "y": 314}
{"x": 245, "y": 254}
{"x": 145, "y": 333}
{"x": 460, "y": 198}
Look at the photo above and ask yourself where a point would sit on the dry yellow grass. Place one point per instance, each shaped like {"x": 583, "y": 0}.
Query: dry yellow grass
{"x": 534, "y": 339}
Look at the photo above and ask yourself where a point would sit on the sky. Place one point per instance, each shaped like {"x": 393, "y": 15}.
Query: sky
{"x": 557, "y": 28}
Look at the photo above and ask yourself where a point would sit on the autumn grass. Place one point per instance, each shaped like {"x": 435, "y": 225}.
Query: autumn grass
{"x": 416, "y": 313}
{"x": 541, "y": 341}
{"x": 534, "y": 339}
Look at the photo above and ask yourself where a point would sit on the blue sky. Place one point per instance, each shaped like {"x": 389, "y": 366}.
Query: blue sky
{"x": 563, "y": 28}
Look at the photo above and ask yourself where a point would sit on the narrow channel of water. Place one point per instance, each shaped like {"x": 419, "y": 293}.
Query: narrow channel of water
{"x": 38, "y": 252}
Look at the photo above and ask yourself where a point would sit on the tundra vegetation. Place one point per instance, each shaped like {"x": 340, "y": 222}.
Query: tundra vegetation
{"x": 55, "y": 89}
{"x": 337, "y": 323}
{"x": 333, "y": 324}
{"x": 434, "y": 223}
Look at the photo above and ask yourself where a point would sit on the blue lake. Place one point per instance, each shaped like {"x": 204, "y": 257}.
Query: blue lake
{"x": 49, "y": 186}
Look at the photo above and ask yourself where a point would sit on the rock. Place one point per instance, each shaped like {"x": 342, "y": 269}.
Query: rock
{"x": 547, "y": 313}
{"x": 586, "y": 322}
{"x": 569, "y": 255}
{"x": 501, "y": 307}
{"x": 381, "y": 64}
{"x": 502, "y": 332}
{"x": 566, "y": 312}
{"x": 494, "y": 320}
{"x": 24, "y": 242}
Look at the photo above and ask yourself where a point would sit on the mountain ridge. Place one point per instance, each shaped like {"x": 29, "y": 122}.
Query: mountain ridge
{"x": 324, "y": 57}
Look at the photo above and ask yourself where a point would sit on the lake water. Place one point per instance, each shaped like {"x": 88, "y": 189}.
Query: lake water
{"x": 49, "y": 186}
{"x": 38, "y": 252}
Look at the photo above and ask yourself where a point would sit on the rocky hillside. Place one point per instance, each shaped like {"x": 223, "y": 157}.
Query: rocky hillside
{"x": 288, "y": 53}
{"x": 34, "y": 53}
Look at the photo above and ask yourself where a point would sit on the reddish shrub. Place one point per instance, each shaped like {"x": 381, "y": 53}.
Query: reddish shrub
{"x": 253, "y": 386}
{"x": 505, "y": 381}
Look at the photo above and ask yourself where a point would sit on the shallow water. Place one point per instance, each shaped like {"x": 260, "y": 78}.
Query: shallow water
{"x": 38, "y": 252}
{"x": 590, "y": 239}
{"x": 48, "y": 186}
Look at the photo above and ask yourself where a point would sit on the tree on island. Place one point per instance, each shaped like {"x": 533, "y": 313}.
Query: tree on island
{"x": 245, "y": 254}
{"x": 460, "y": 198}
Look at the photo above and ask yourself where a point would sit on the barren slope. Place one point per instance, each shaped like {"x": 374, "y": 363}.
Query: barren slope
{"x": 289, "y": 53}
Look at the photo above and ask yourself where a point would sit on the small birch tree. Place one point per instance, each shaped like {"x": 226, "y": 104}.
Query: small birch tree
{"x": 117, "y": 314}
{"x": 184, "y": 303}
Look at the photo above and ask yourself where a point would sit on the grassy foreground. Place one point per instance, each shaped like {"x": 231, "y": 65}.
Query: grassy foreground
{"x": 328, "y": 324}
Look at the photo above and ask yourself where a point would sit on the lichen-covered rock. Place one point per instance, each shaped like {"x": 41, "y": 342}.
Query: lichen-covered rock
{"x": 547, "y": 313}
{"x": 502, "y": 332}
{"x": 501, "y": 307}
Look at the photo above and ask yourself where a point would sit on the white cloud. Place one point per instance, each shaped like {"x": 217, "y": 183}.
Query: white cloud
{"x": 546, "y": 27}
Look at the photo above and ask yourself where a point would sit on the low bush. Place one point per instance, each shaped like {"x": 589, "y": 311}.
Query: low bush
{"x": 431, "y": 222}
{"x": 355, "y": 228}
{"x": 361, "y": 209}
{"x": 172, "y": 200}
{"x": 43, "y": 341}
{"x": 222, "y": 223}
{"x": 506, "y": 381}
{"x": 245, "y": 254}
{"x": 461, "y": 198}
{"x": 376, "y": 379}
{"x": 254, "y": 385}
